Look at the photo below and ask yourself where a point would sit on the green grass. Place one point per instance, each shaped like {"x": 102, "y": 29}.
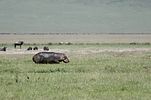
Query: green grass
{"x": 100, "y": 76}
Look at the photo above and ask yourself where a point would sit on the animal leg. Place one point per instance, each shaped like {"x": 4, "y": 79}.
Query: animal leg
{"x": 56, "y": 61}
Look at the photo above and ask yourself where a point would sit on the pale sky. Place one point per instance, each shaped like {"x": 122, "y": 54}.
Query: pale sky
{"x": 92, "y": 16}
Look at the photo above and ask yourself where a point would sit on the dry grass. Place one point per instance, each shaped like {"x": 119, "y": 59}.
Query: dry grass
{"x": 74, "y": 38}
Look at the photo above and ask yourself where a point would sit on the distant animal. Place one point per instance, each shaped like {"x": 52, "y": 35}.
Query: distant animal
{"x": 3, "y": 49}
{"x": 35, "y": 48}
{"x": 50, "y": 58}
{"x": 46, "y": 48}
{"x": 29, "y": 48}
{"x": 19, "y": 43}
{"x": 61, "y": 43}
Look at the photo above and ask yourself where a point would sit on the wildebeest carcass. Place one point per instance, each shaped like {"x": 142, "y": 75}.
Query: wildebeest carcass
{"x": 50, "y": 58}
{"x": 19, "y": 43}
{"x": 46, "y": 48}
{"x": 35, "y": 48}
{"x": 3, "y": 49}
{"x": 29, "y": 48}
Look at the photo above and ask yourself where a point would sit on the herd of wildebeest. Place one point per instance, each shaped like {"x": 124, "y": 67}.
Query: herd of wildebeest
{"x": 44, "y": 57}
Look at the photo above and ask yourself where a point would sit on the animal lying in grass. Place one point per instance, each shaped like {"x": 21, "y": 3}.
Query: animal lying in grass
{"x": 29, "y": 48}
{"x": 3, "y": 49}
{"x": 46, "y": 48}
{"x": 50, "y": 58}
{"x": 35, "y": 48}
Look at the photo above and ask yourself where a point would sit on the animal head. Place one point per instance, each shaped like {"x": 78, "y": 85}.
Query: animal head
{"x": 65, "y": 59}
{"x": 61, "y": 57}
{"x": 21, "y": 42}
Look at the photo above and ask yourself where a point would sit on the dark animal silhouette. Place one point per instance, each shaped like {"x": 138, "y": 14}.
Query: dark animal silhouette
{"x": 35, "y": 48}
{"x": 46, "y": 48}
{"x": 29, "y": 48}
{"x": 50, "y": 58}
{"x": 19, "y": 43}
{"x": 3, "y": 49}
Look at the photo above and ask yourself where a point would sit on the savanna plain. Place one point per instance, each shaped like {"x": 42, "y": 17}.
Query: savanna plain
{"x": 101, "y": 67}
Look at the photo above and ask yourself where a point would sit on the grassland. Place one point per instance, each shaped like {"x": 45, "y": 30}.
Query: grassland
{"x": 92, "y": 74}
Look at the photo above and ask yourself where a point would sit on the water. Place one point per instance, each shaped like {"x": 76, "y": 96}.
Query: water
{"x": 95, "y": 16}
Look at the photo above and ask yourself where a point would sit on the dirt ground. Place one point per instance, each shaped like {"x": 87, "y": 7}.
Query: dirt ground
{"x": 93, "y": 38}
{"x": 79, "y": 51}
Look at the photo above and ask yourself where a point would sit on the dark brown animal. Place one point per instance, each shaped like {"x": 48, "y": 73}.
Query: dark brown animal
{"x": 50, "y": 58}
{"x": 29, "y": 48}
{"x": 35, "y": 48}
{"x": 19, "y": 43}
{"x": 3, "y": 49}
{"x": 46, "y": 48}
